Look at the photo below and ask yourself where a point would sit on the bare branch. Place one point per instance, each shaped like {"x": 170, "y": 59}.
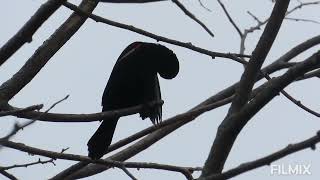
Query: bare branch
{"x": 56, "y": 103}
{"x": 267, "y": 160}
{"x": 28, "y": 164}
{"x": 301, "y": 5}
{"x": 18, "y": 127}
{"x": 130, "y": 1}
{"x": 43, "y": 54}
{"x": 302, "y": 20}
{"x": 255, "y": 18}
{"x": 56, "y": 117}
{"x": 261, "y": 23}
{"x": 124, "y": 169}
{"x": 8, "y": 175}
{"x": 189, "y": 14}
{"x": 156, "y": 37}
{"x": 22, "y": 110}
{"x": 166, "y": 127}
{"x": 296, "y": 102}
{"x": 25, "y": 34}
{"x": 186, "y": 171}
{"x": 233, "y": 124}
{"x": 230, "y": 18}
{"x": 56, "y": 155}
{"x": 259, "y": 55}
{"x": 278, "y": 64}
{"x": 202, "y": 5}
{"x": 309, "y": 75}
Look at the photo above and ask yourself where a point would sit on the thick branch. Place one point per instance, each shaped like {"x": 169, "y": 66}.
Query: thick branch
{"x": 43, "y": 54}
{"x": 233, "y": 124}
{"x": 167, "y": 127}
{"x": 26, "y": 32}
{"x": 267, "y": 160}
{"x": 258, "y": 56}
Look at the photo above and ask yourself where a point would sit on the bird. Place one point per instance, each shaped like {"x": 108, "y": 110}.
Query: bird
{"x": 133, "y": 81}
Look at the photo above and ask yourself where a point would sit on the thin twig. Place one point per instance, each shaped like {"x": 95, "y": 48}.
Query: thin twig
{"x": 255, "y": 17}
{"x": 296, "y": 102}
{"x": 202, "y": 5}
{"x": 230, "y": 18}
{"x": 28, "y": 164}
{"x": 192, "y": 16}
{"x": 8, "y": 175}
{"x": 301, "y": 5}
{"x": 18, "y": 127}
{"x": 302, "y": 20}
{"x": 56, "y": 103}
{"x": 57, "y": 155}
{"x": 124, "y": 169}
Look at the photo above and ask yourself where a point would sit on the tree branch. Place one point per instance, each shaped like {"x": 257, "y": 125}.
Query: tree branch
{"x": 220, "y": 96}
{"x": 221, "y": 148}
{"x": 72, "y": 157}
{"x": 130, "y": 1}
{"x": 8, "y": 175}
{"x": 193, "y": 17}
{"x": 267, "y": 160}
{"x": 56, "y": 155}
{"x": 165, "y": 128}
{"x": 230, "y": 18}
{"x": 156, "y": 37}
{"x": 186, "y": 171}
{"x": 43, "y": 54}
{"x": 233, "y": 124}
{"x": 20, "y": 110}
{"x": 56, "y": 117}
{"x": 28, "y": 164}
{"x": 25, "y": 34}
{"x": 259, "y": 55}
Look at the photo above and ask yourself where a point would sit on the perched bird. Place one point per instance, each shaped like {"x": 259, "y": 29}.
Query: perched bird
{"x": 133, "y": 81}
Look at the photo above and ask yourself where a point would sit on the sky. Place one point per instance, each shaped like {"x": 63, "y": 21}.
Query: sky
{"x": 82, "y": 67}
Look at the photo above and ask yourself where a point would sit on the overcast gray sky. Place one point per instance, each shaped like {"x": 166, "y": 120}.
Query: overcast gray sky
{"x": 83, "y": 65}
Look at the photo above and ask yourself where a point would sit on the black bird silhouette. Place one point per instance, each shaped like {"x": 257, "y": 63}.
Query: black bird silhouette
{"x": 133, "y": 81}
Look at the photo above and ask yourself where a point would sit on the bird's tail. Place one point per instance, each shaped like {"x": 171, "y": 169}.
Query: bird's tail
{"x": 101, "y": 139}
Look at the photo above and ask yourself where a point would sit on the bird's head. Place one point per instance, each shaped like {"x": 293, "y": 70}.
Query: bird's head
{"x": 162, "y": 58}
